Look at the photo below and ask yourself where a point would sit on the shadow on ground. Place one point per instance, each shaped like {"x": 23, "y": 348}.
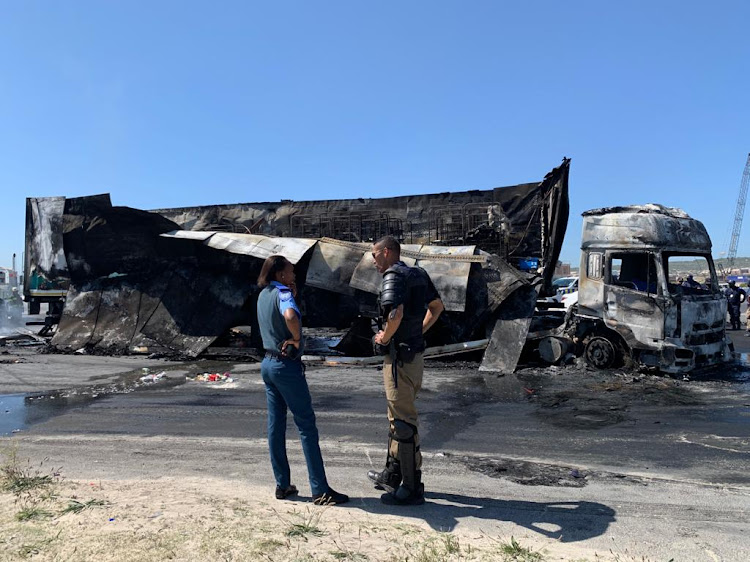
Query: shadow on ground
{"x": 564, "y": 521}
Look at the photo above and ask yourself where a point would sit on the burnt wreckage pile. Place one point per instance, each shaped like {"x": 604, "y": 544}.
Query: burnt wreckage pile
{"x": 176, "y": 280}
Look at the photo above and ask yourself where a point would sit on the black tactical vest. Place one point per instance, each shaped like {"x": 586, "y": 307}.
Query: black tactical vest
{"x": 408, "y": 286}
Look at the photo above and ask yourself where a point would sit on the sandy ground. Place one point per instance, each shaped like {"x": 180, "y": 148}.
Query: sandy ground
{"x": 217, "y": 519}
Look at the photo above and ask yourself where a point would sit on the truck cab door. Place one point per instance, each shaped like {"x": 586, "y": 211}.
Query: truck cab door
{"x": 633, "y": 305}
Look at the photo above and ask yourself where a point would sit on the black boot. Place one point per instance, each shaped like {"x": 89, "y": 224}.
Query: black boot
{"x": 389, "y": 478}
{"x": 405, "y": 495}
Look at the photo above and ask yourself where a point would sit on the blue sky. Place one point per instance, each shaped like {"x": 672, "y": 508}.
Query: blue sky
{"x": 169, "y": 104}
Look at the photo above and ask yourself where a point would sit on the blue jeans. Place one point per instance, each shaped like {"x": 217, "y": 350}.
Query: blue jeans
{"x": 286, "y": 386}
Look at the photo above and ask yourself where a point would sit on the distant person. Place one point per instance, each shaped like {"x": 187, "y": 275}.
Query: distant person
{"x": 15, "y": 305}
{"x": 283, "y": 373}
{"x": 735, "y": 297}
{"x": 691, "y": 283}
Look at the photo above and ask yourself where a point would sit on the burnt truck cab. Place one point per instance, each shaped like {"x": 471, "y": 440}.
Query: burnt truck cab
{"x": 627, "y": 305}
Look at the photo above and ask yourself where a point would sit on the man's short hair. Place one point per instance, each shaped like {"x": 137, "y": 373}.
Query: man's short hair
{"x": 389, "y": 242}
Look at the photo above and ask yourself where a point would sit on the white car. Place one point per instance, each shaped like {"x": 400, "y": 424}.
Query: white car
{"x": 564, "y": 286}
{"x": 569, "y": 299}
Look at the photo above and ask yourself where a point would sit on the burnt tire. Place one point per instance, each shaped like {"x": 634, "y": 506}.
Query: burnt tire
{"x": 600, "y": 353}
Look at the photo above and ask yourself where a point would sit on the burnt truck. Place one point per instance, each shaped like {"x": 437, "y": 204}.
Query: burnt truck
{"x": 629, "y": 309}
{"x": 179, "y": 281}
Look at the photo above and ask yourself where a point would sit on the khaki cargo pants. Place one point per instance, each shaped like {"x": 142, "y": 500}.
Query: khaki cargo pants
{"x": 401, "y": 400}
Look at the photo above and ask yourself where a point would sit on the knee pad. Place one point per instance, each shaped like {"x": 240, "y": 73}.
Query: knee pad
{"x": 403, "y": 432}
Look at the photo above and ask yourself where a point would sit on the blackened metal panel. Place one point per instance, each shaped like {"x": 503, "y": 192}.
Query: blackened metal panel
{"x": 331, "y": 267}
{"x": 121, "y": 263}
{"x": 366, "y": 277}
{"x": 45, "y": 269}
{"x": 261, "y": 246}
{"x": 510, "y": 331}
{"x": 212, "y": 314}
{"x": 646, "y": 226}
{"x": 118, "y": 316}
{"x": 535, "y": 217}
{"x": 501, "y": 280}
{"x": 557, "y": 210}
{"x": 200, "y": 235}
{"x": 446, "y": 274}
{"x": 100, "y": 239}
{"x": 174, "y": 315}
{"x": 78, "y": 321}
{"x": 152, "y": 291}
{"x": 253, "y": 245}
{"x": 505, "y": 346}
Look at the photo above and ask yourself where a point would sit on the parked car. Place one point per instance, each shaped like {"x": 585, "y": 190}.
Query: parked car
{"x": 563, "y": 286}
{"x": 569, "y": 299}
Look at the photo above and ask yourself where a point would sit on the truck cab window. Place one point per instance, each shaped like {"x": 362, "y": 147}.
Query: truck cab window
{"x": 690, "y": 274}
{"x": 636, "y": 271}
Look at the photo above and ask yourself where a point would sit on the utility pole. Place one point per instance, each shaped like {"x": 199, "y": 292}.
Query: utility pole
{"x": 738, "y": 214}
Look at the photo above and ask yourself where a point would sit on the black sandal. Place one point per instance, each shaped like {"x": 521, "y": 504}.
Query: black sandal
{"x": 284, "y": 493}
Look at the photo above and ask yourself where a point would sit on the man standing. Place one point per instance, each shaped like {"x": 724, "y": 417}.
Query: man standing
{"x": 735, "y": 297}
{"x": 691, "y": 283}
{"x": 409, "y": 306}
{"x": 15, "y": 305}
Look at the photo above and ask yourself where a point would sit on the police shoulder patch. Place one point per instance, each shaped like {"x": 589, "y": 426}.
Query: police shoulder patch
{"x": 285, "y": 295}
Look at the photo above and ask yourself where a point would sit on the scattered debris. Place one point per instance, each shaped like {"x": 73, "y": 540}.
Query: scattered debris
{"x": 212, "y": 377}
{"x": 153, "y": 377}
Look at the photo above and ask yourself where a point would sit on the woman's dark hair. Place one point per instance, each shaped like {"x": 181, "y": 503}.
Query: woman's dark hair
{"x": 271, "y": 267}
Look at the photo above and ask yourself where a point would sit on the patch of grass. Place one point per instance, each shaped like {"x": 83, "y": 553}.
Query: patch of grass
{"x": 436, "y": 549}
{"x": 33, "y": 512}
{"x": 302, "y": 529}
{"x": 74, "y": 506}
{"x": 514, "y": 552}
{"x": 307, "y": 524}
{"x": 451, "y": 544}
{"x": 19, "y": 479}
{"x": 343, "y": 552}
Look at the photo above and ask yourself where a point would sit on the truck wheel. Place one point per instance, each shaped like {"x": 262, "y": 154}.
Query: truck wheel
{"x": 600, "y": 353}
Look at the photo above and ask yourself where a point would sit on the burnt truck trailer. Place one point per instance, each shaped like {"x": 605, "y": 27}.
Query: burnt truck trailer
{"x": 628, "y": 306}
{"x": 179, "y": 279}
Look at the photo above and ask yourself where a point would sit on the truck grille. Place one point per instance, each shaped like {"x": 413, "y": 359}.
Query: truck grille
{"x": 703, "y": 339}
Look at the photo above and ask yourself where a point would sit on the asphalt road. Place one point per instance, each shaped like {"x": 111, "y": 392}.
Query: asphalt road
{"x": 636, "y": 463}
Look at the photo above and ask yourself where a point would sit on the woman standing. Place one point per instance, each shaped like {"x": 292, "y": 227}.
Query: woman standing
{"x": 280, "y": 324}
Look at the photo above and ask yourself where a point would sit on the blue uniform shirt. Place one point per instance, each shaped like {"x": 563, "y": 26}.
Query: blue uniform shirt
{"x": 273, "y": 301}
{"x": 286, "y": 299}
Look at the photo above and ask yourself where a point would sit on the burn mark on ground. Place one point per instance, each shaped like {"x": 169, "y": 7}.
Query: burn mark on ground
{"x": 540, "y": 474}
{"x": 332, "y": 402}
{"x": 579, "y": 398}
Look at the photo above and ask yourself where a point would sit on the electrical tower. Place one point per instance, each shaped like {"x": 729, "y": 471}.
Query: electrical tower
{"x": 739, "y": 213}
